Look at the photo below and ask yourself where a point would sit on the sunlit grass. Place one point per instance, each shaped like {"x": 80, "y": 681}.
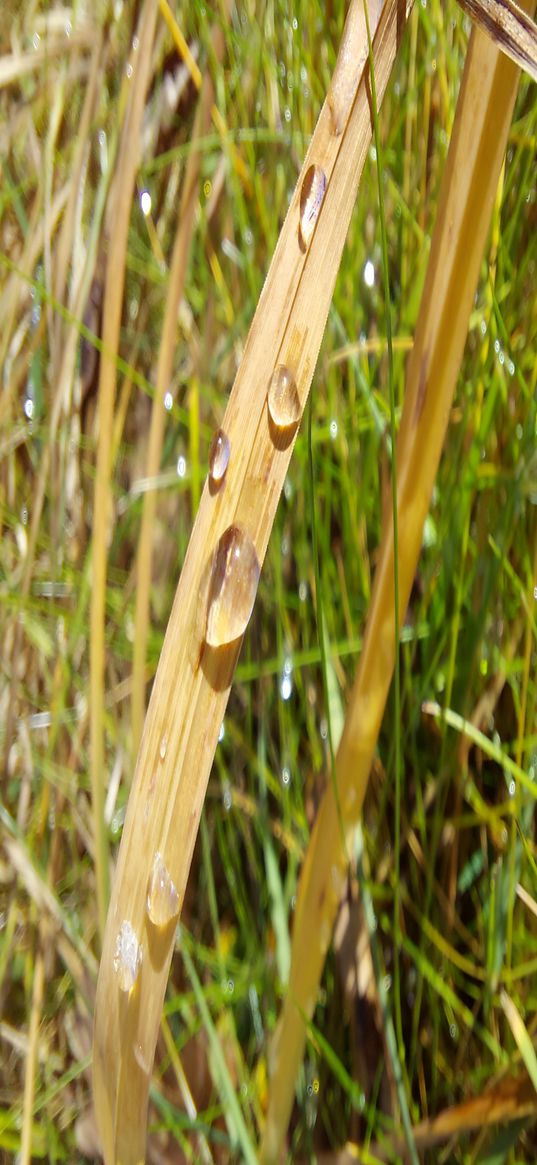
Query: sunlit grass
{"x": 468, "y": 732}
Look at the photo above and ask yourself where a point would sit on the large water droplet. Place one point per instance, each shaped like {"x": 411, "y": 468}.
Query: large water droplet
{"x": 233, "y": 586}
{"x": 162, "y": 896}
{"x": 311, "y": 200}
{"x": 127, "y": 957}
{"x": 219, "y": 456}
{"x": 283, "y": 398}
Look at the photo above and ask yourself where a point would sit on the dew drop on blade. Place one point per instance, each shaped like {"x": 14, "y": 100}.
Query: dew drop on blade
{"x": 127, "y": 957}
{"x": 311, "y": 200}
{"x": 219, "y": 456}
{"x": 162, "y": 896}
{"x": 233, "y": 585}
{"x": 283, "y": 398}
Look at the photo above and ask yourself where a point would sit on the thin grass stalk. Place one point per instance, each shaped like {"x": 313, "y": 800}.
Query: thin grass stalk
{"x": 181, "y": 251}
{"x": 472, "y": 171}
{"x": 192, "y": 683}
{"x": 118, "y": 228}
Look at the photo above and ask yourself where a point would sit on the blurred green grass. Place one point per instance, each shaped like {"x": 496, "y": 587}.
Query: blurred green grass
{"x": 467, "y": 833}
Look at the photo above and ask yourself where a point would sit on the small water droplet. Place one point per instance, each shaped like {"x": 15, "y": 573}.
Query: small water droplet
{"x": 128, "y": 72}
{"x": 145, "y": 203}
{"x": 163, "y": 747}
{"x": 286, "y": 688}
{"x": 168, "y": 401}
{"x": 127, "y": 957}
{"x": 219, "y": 456}
{"x": 29, "y": 408}
{"x": 181, "y": 466}
{"x": 286, "y": 776}
{"x": 369, "y": 273}
{"x": 333, "y": 430}
{"x": 162, "y": 896}
{"x": 311, "y": 200}
{"x": 283, "y": 399}
{"x": 234, "y": 578}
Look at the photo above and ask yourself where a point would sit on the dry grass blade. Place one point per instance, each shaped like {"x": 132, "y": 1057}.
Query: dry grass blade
{"x": 178, "y": 267}
{"x": 470, "y": 182}
{"x": 510, "y": 27}
{"x": 118, "y": 231}
{"x": 193, "y": 679}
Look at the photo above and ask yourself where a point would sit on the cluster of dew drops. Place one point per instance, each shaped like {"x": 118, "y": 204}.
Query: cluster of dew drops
{"x": 235, "y": 570}
{"x": 162, "y": 906}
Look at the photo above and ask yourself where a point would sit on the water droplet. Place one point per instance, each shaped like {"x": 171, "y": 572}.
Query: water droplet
{"x": 369, "y": 273}
{"x": 350, "y": 61}
{"x": 283, "y": 399}
{"x": 333, "y": 430}
{"x": 219, "y": 456}
{"x": 145, "y": 203}
{"x": 222, "y": 732}
{"x": 162, "y": 896}
{"x": 29, "y": 408}
{"x": 286, "y": 776}
{"x": 163, "y": 747}
{"x": 168, "y": 401}
{"x": 127, "y": 957}
{"x": 311, "y": 200}
{"x": 286, "y": 688}
{"x": 181, "y": 466}
{"x": 234, "y": 578}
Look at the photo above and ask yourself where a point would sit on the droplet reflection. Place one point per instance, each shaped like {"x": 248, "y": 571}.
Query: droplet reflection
{"x": 162, "y": 896}
{"x": 127, "y": 957}
{"x": 283, "y": 399}
{"x": 311, "y": 200}
{"x": 219, "y": 456}
{"x": 233, "y": 586}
